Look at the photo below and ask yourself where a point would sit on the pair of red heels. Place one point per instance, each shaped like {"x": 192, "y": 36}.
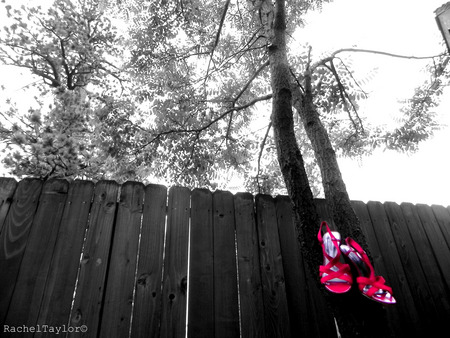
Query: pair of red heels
{"x": 337, "y": 277}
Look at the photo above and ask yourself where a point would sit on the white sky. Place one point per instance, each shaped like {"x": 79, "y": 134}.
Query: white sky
{"x": 401, "y": 27}
{"x": 397, "y": 26}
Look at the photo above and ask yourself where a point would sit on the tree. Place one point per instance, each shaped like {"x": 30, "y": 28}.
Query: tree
{"x": 197, "y": 77}
{"x": 73, "y": 51}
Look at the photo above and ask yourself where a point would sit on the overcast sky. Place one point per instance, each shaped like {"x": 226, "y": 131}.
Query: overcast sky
{"x": 402, "y": 27}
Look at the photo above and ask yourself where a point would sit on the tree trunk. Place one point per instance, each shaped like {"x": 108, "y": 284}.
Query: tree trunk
{"x": 356, "y": 316}
{"x": 289, "y": 155}
{"x": 334, "y": 187}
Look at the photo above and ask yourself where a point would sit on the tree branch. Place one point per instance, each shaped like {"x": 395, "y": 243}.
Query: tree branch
{"x": 370, "y": 51}
{"x": 264, "y": 65}
{"x": 219, "y": 31}
{"x": 210, "y": 123}
{"x": 343, "y": 94}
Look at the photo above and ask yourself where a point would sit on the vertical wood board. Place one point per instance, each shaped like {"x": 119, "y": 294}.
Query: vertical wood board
{"x": 436, "y": 284}
{"x": 7, "y": 188}
{"x": 378, "y": 262}
{"x": 394, "y": 272}
{"x": 272, "y": 275}
{"x": 250, "y": 288}
{"x": 14, "y": 238}
{"x": 443, "y": 217}
{"x": 323, "y": 320}
{"x": 93, "y": 266}
{"x": 437, "y": 240}
{"x": 147, "y": 307}
{"x": 201, "y": 266}
{"x": 32, "y": 277}
{"x": 226, "y": 312}
{"x": 58, "y": 294}
{"x": 300, "y": 313}
{"x": 411, "y": 264}
{"x": 117, "y": 307}
{"x": 174, "y": 297}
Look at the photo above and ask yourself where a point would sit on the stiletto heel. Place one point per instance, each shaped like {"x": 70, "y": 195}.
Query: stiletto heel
{"x": 335, "y": 276}
{"x": 371, "y": 286}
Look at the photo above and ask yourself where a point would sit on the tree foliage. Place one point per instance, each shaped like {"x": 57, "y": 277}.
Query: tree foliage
{"x": 177, "y": 91}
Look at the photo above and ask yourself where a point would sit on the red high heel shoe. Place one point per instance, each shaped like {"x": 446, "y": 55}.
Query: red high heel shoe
{"x": 336, "y": 276}
{"x": 371, "y": 286}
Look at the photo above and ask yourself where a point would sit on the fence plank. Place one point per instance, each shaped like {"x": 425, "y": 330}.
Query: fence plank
{"x": 437, "y": 240}
{"x": 251, "y": 301}
{"x": 173, "y": 320}
{"x": 147, "y": 308}
{"x": 300, "y": 314}
{"x": 378, "y": 257}
{"x": 435, "y": 282}
{"x": 394, "y": 272}
{"x": 14, "y": 238}
{"x": 7, "y": 188}
{"x": 272, "y": 275}
{"x": 443, "y": 217}
{"x": 412, "y": 267}
{"x": 118, "y": 302}
{"x": 30, "y": 284}
{"x": 57, "y": 300}
{"x": 91, "y": 281}
{"x": 201, "y": 266}
{"x": 226, "y": 311}
{"x": 323, "y": 320}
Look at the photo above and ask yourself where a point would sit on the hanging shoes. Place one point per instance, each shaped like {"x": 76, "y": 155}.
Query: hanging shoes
{"x": 336, "y": 276}
{"x": 371, "y": 286}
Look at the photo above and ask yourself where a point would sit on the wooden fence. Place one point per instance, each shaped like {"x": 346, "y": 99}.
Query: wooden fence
{"x": 110, "y": 260}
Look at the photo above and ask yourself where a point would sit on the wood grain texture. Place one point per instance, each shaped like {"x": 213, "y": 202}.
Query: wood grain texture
{"x": 226, "y": 311}
{"x": 117, "y": 307}
{"x": 250, "y": 287}
{"x": 301, "y": 291}
{"x": 32, "y": 277}
{"x": 237, "y": 244}
{"x": 411, "y": 265}
{"x": 58, "y": 294}
{"x": 443, "y": 217}
{"x": 147, "y": 307}
{"x": 201, "y": 267}
{"x": 378, "y": 261}
{"x": 440, "y": 297}
{"x": 93, "y": 266}
{"x": 7, "y": 188}
{"x": 276, "y": 314}
{"x": 437, "y": 240}
{"x": 174, "y": 297}
{"x": 393, "y": 270}
{"x": 14, "y": 237}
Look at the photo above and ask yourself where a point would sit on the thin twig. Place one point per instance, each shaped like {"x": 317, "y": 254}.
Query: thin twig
{"x": 206, "y": 126}
{"x": 370, "y": 51}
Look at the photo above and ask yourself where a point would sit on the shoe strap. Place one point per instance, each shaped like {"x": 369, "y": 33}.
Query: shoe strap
{"x": 332, "y": 260}
{"x": 343, "y": 272}
{"x": 376, "y": 283}
{"x": 356, "y": 247}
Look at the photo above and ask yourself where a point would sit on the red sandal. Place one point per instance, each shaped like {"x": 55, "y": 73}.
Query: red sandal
{"x": 336, "y": 276}
{"x": 371, "y": 286}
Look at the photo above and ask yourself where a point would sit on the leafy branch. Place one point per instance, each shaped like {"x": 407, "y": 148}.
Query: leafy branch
{"x": 210, "y": 123}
